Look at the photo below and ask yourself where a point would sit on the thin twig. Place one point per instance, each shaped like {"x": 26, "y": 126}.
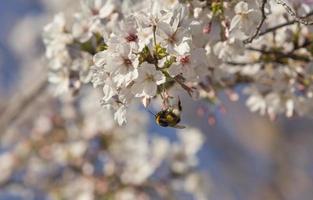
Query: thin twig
{"x": 282, "y": 54}
{"x": 242, "y": 63}
{"x": 249, "y": 40}
{"x": 18, "y": 105}
{"x": 274, "y": 28}
{"x": 277, "y": 27}
{"x": 301, "y": 20}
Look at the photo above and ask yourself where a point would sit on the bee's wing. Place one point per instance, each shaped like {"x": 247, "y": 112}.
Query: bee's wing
{"x": 179, "y": 126}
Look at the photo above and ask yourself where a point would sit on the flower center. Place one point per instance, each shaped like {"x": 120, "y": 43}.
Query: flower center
{"x": 131, "y": 37}
{"x": 149, "y": 77}
{"x": 127, "y": 62}
{"x": 95, "y": 11}
{"x": 172, "y": 39}
{"x": 184, "y": 60}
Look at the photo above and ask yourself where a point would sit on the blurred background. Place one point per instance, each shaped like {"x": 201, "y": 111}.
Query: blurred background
{"x": 59, "y": 149}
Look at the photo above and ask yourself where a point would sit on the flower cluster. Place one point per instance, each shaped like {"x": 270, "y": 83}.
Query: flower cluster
{"x": 148, "y": 49}
{"x": 70, "y": 148}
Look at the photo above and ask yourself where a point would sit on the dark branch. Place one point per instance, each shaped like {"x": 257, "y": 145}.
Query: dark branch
{"x": 274, "y": 28}
{"x": 19, "y": 104}
{"x": 280, "y": 54}
{"x": 255, "y": 34}
{"x": 242, "y": 63}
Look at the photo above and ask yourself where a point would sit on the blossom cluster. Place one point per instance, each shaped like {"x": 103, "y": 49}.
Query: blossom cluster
{"x": 70, "y": 148}
{"x": 148, "y": 49}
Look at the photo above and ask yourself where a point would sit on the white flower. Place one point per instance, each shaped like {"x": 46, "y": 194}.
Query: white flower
{"x": 256, "y": 103}
{"x": 56, "y": 39}
{"x": 137, "y": 171}
{"x": 173, "y": 31}
{"x": 8, "y": 160}
{"x": 172, "y": 36}
{"x": 145, "y": 35}
{"x": 127, "y": 30}
{"x": 191, "y": 65}
{"x": 148, "y": 80}
{"x": 270, "y": 104}
{"x": 55, "y": 32}
{"x": 109, "y": 89}
{"x": 82, "y": 64}
{"x": 99, "y": 76}
{"x": 184, "y": 152}
{"x": 228, "y": 49}
{"x": 152, "y": 16}
{"x": 82, "y": 28}
{"x": 99, "y": 8}
{"x": 120, "y": 115}
{"x": 197, "y": 184}
{"x": 99, "y": 59}
{"x": 96, "y": 119}
{"x": 245, "y": 19}
{"x": 61, "y": 80}
{"x": 191, "y": 139}
{"x": 121, "y": 64}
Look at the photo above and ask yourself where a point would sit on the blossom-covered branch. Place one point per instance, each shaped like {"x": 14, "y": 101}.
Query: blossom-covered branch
{"x": 256, "y": 33}
{"x": 156, "y": 51}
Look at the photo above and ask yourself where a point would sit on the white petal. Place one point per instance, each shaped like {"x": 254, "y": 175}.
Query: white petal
{"x": 174, "y": 70}
{"x": 241, "y": 7}
{"x": 164, "y": 30}
{"x": 106, "y": 10}
{"x": 120, "y": 115}
{"x": 100, "y": 58}
{"x": 108, "y": 92}
{"x": 159, "y": 77}
{"x": 235, "y": 22}
{"x": 137, "y": 89}
{"x": 150, "y": 89}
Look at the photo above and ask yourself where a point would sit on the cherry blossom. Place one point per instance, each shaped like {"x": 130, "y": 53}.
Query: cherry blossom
{"x": 165, "y": 47}
{"x": 147, "y": 82}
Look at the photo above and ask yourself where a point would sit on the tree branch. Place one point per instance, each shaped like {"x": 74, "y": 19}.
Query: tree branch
{"x": 19, "y": 104}
{"x": 282, "y": 54}
{"x": 274, "y": 28}
{"x": 301, "y": 20}
{"x": 256, "y": 33}
{"x": 242, "y": 63}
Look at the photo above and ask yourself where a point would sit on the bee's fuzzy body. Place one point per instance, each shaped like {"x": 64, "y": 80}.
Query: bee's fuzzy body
{"x": 169, "y": 117}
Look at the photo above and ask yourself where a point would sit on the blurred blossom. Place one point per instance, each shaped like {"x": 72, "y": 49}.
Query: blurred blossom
{"x": 6, "y": 168}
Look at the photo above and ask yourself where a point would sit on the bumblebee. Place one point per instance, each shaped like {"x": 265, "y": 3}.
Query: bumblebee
{"x": 169, "y": 117}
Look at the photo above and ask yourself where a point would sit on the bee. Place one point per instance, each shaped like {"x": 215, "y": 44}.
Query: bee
{"x": 169, "y": 117}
